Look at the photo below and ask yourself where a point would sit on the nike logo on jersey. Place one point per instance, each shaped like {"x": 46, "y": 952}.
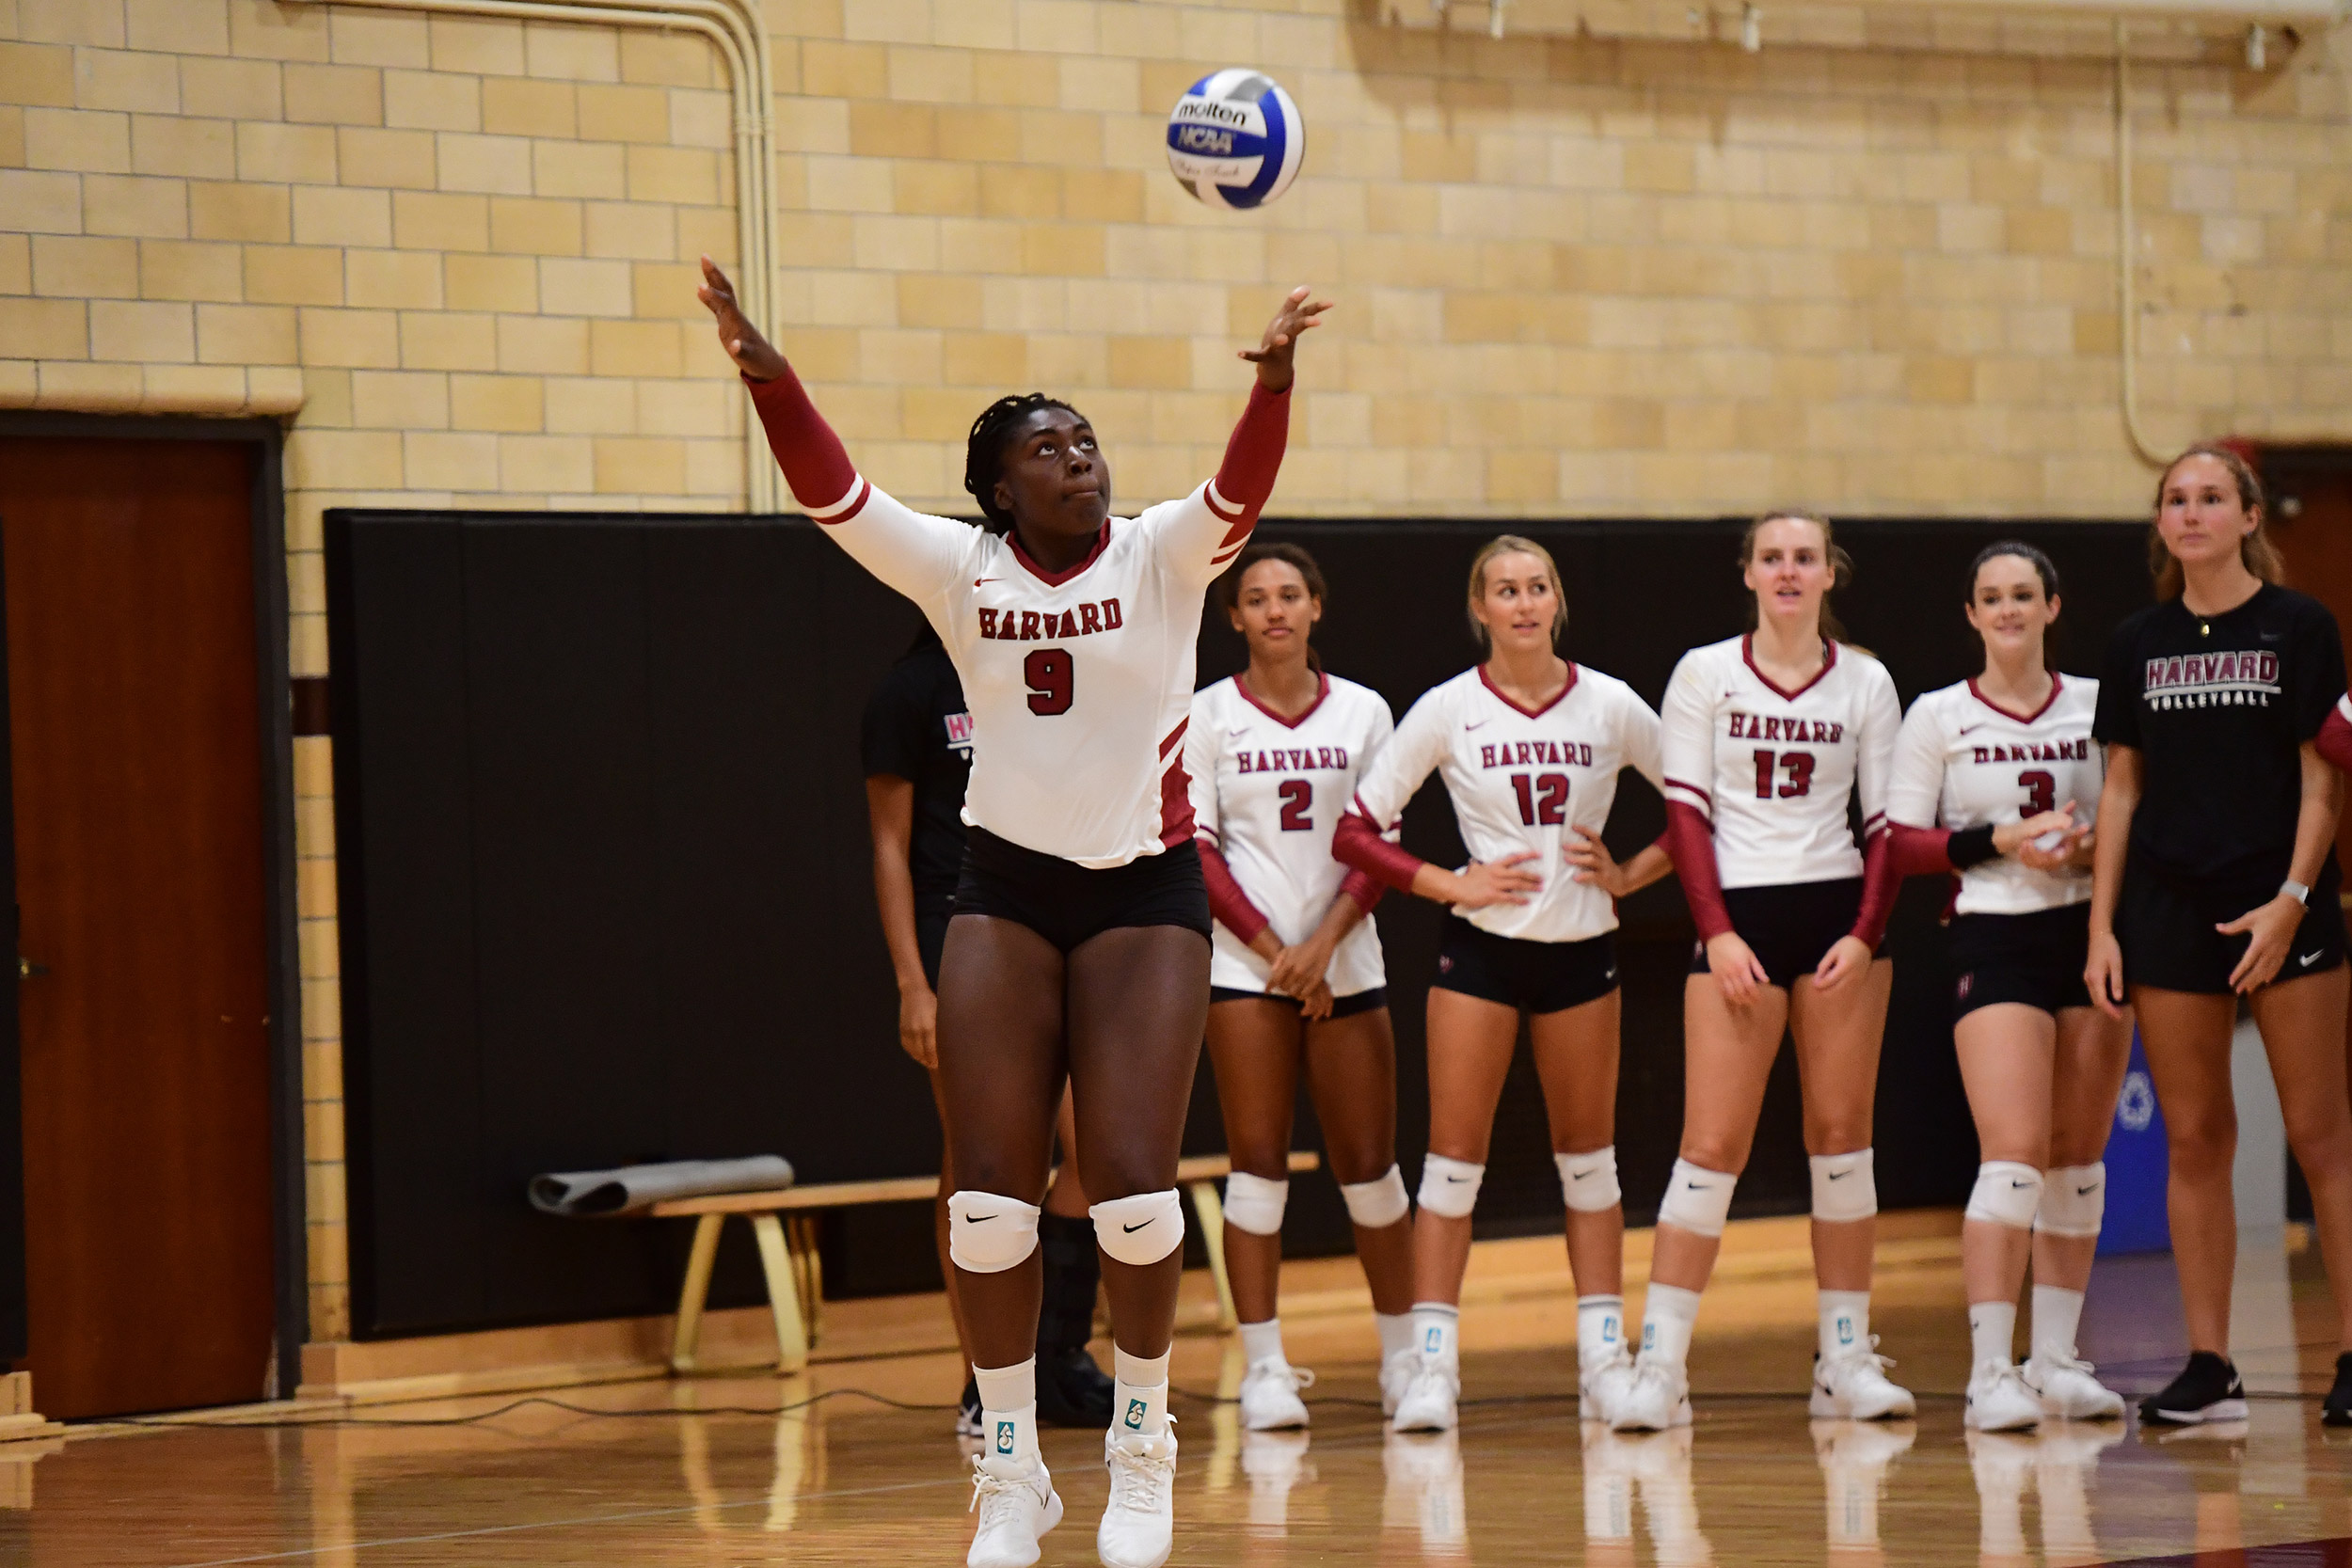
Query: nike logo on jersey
{"x": 1967, "y": 729}
{"x": 1839, "y": 1175}
{"x": 1480, "y": 725}
{"x": 1457, "y": 1179}
{"x": 2012, "y": 1184}
{"x": 2086, "y": 1192}
{"x": 2272, "y": 636}
{"x": 2313, "y": 958}
{"x": 979, "y": 581}
{"x": 1579, "y": 1176}
{"x": 977, "y": 1219}
{"x": 1130, "y": 1229}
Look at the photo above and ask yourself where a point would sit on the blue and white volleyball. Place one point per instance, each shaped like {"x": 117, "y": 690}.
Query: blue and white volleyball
{"x": 1235, "y": 139}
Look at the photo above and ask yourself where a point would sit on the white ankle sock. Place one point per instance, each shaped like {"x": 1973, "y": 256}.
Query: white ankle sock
{"x": 1599, "y": 1329}
{"x": 2058, "y": 1316}
{"x": 1992, "y": 1330}
{"x": 1436, "y": 1331}
{"x": 1262, "y": 1341}
{"x": 1008, "y": 1410}
{"x": 1669, "y": 1313}
{"x": 1140, "y": 1393}
{"x": 1396, "y": 1333}
{"x": 1845, "y": 1321}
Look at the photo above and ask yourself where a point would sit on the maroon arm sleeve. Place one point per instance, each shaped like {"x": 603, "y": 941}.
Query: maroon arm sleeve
{"x": 1691, "y": 840}
{"x": 1358, "y": 845}
{"x": 2334, "y": 742}
{"x": 1919, "y": 851}
{"x": 1362, "y": 889}
{"x": 810, "y": 455}
{"x": 1244, "y": 481}
{"x": 1882, "y": 879}
{"x": 1227, "y": 902}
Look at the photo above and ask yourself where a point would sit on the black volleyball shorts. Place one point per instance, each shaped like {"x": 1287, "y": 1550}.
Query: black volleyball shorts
{"x": 2165, "y": 928}
{"x": 1066, "y": 903}
{"x": 1533, "y": 976}
{"x": 1790, "y": 927}
{"x": 2035, "y": 958}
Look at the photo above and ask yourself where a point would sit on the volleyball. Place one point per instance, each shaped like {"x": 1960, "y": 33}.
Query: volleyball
{"x": 1235, "y": 139}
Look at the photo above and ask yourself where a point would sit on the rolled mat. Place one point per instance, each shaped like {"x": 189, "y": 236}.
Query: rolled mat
{"x": 631, "y": 1189}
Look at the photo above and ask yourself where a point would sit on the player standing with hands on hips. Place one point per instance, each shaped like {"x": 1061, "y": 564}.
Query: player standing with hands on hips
{"x": 1766, "y": 737}
{"x": 1994, "y": 780}
{"x": 1080, "y": 940}
{"x": 2216, "y": 878}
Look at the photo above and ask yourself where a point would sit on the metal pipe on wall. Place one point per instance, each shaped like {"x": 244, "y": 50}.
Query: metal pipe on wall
{"x": 735, "y": 28}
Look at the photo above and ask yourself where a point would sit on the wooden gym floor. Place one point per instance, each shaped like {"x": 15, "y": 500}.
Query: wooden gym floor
{"x": 672, "y": 1474}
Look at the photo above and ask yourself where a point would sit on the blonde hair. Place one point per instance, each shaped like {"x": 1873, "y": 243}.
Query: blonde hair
{"x": 1512, "y": 544}
{"x": 2256, "y": 550}
{"x": 1841, "y": 564}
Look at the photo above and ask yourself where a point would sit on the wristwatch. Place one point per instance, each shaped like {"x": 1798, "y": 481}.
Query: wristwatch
{"x": 2299, "y": 891}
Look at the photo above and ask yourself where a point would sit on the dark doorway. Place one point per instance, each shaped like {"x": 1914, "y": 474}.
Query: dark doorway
{"x": 142, "y": 830}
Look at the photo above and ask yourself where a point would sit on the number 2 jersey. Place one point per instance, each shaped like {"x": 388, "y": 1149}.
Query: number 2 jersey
{"x": 1771, "y": 769}
{"x": 1266, "y": 794}
{"x": 1959, "y": 763}
{"x": 1520, "y": 781}
{"x": 1079, "y": 681}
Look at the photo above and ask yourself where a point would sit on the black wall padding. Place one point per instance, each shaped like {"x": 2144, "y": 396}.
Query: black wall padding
{"x": 606, "y": 897}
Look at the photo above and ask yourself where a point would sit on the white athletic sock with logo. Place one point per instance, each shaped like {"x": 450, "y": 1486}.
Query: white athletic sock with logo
{"x": 1845, "y": 1321}
{"x": 1669, "y": 1313}
{"x": 1436, "y": 1331}
{"x": 1139, "y": 1394}
{"x": 2058, "y": 1315}
{"x": 1396, "y": 1333}
{"x": 1992, "y": 1332}
{"x": 1262, "y": 1341}
{"x": 1599, "y": 1329}
{"x": 1008, "y": 1411}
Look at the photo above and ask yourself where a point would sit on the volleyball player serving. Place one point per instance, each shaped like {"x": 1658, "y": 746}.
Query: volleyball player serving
{"x": 1993, "y": 779}
{"x": 1766, "y": 736}
{"x": 1530, "y": 746}
{"x": 1296, "y": 974}
{"x": 1080, "y": 939}
{"x": 2216, "y": 878}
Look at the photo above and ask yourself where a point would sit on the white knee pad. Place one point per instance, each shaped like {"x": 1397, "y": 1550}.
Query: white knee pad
{"x": 1844, "y": 1186}
{"x": 1697, "y": 1200}
{"x": 1450, "y": 1187}
{"x": 1254, "y": 1204}
{"x": 2074, "y": 1200}
{"x": 988, "y": 1233}
{"x": 2007, "y": 1193}
{"x": 1378, "y": 1203}
{"x": 1139, "y": 1229}
{"x": 1589, "y": 1181}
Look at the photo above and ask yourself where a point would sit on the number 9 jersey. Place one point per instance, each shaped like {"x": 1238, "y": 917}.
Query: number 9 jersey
{"x": 1520, "y": 781}
{"x": 1771, "y": 769}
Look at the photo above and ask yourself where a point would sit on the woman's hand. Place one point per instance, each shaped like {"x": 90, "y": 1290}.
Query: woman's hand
{"x": 1297, "y": 971}
{"x": 1317, "y": 1004}
{"x": 1595, "y": 864}
{"x": 2273, "y": 926}
{"x": 918, "y": 1024}
{"x": 1483, "y": 883}
{"x": 1847, "y": 956}
{"x": 1737, "y": 969}
{"x": 2104, "y": 974}
{"x": 2020, "y": 840}
{"x": 1273, "y": 355}
{"x": 753, "y": 353}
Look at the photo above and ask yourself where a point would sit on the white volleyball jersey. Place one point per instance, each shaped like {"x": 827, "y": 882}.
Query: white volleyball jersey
{"x": 1269, "y": 792}
{"x": 1961, "y": 762}
{"x": 1079, "y": 682}
{"x": 1773, "y": 769}
{"x": 1518, "y": 781}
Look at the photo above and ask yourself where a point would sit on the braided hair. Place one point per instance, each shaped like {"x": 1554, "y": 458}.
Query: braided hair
{"x": 984, "y": 450}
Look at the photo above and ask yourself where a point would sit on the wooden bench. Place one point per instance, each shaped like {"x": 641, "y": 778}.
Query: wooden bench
{"x": 784, "y": 1222}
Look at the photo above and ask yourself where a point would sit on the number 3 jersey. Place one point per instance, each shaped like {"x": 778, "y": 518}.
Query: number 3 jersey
{"x": 1269, "y": 792}
{"x": 1959, "y": 762}
{"x": 1771, "y": 769}
{"x": 1520, "y": 781}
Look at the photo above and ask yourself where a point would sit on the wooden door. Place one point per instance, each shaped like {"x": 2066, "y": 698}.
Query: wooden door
{"x": 2310, "y": 520}
{"x": 141, "y": 885}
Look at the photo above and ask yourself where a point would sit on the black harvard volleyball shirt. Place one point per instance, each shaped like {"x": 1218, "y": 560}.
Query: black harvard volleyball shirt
{"x": 916, "y": 728}
{"x": 2217, "y": 706}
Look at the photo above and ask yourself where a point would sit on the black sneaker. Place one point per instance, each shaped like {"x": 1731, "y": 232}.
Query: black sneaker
{"x": 2337, "y": 1411}
{"x": 968, "y": 1411}
{"x": 1073, "y": 1391}
{"x": 2207, "y": 1389}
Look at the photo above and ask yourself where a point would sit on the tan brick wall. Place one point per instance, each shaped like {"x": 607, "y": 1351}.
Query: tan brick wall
{"x": 1578, "y": 275}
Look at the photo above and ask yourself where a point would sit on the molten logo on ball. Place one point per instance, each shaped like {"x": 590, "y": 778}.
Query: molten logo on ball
{"x": 1235, "y": 139}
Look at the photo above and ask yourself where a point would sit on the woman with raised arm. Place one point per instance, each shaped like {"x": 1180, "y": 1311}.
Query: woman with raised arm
{"x": 1994, "y": 778}
{"x": 2216, "y": 879}
{"x": 1080, "y": 939}
{"x": 1766, "y": 736}
{"x": 1530, "y": 747}
{"x": 1296, "y": 980}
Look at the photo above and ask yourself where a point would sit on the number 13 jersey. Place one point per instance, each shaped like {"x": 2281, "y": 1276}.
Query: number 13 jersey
{"x": 1962, "y": 763}
{"x": 1773, "y": 769}
{"x": 1520, "y": 781}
